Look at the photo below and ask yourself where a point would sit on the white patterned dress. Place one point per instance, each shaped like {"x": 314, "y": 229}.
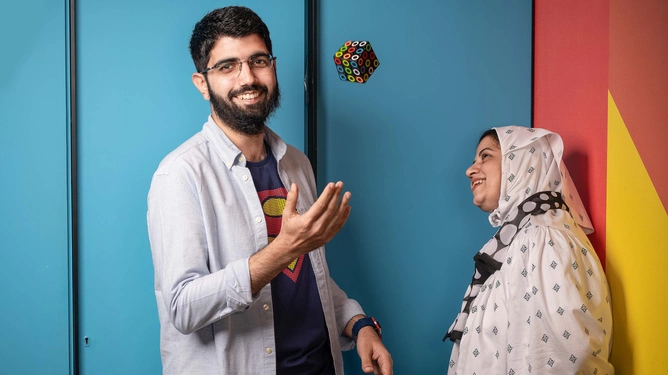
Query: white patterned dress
{"x": 546, "y": 310}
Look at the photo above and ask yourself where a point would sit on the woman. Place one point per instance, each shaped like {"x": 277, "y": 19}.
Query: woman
{"x": 539, "y": 301}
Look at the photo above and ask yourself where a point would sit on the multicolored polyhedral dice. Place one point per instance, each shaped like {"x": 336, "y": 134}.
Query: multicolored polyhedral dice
{"x": 355, "y": 61}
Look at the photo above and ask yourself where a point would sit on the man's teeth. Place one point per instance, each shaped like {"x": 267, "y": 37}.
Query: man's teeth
{"x": 478, "y": 182}
{"x": 248, "y": 96}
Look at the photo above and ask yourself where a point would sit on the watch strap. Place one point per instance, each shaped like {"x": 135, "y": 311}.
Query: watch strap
{"x": 364, "y": 322}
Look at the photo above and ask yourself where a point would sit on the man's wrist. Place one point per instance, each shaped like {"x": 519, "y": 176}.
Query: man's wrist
{"x": 283, "y": 251}
{"x": 366, "y": 322}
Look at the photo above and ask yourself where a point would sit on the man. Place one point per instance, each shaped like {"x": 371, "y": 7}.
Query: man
{"x": 241, "y": 278}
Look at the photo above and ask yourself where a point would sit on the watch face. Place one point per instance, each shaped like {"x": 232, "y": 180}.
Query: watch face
{"x": 376, "y": 326}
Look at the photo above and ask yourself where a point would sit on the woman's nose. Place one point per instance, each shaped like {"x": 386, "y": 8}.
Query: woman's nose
{"x": 470, "y": 171}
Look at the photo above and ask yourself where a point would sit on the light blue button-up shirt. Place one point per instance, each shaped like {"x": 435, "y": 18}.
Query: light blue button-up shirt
{"x": 205, "y": 221}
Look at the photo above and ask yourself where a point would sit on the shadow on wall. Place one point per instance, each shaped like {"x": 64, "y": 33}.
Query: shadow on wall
{"x": 578, "y": 167}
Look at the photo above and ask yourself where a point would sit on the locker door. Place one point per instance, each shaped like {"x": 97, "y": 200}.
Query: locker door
{"x": 136, "y": 104}
{"x": 401, "y": 143}
{"x": 34, "y": 195}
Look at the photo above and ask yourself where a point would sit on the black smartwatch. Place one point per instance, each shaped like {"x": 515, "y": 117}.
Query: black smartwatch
{"x": 368, "y": 321}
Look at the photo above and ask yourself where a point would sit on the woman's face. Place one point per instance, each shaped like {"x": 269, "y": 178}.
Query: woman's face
{"x": 485, "y": 175}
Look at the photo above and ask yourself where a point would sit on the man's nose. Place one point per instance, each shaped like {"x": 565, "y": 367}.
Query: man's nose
{"x": 246, "y": 75}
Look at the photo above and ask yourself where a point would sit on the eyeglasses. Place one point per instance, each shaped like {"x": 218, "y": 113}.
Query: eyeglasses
{"x": 232, "y": 67}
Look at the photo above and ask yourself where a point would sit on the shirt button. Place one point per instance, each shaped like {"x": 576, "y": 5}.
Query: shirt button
{"x": 258, "y": 219}
{"x": 241, "y": 159}
{"x": 265, "y": 307}
{"x": 245, "y": 177}
{"x": 268, "y": 350}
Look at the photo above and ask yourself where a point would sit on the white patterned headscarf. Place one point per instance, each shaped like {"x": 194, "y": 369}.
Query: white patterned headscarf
{"x": 549, "y": 173}
{"x": 534, "y": 180}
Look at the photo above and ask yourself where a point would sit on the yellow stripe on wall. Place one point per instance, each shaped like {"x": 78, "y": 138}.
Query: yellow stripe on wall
{"x": 636, "y": 257}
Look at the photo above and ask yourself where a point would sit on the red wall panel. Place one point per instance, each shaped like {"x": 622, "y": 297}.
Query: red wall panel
{"x": 570, "y": 94}
{"x": 639, "y": 80}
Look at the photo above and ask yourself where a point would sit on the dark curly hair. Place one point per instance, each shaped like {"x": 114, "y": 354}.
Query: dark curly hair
{"x": 232, "y": 21}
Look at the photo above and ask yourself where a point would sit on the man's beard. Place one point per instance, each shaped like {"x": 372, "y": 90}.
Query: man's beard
{"x": 249, "y": 119}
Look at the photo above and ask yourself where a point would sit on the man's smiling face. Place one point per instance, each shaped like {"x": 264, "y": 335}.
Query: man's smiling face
{"x": 242, "y": 101}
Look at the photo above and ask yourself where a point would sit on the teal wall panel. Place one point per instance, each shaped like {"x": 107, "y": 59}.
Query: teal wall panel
{"x": 136, "y": 104}
{"x": 34, "y": 178}
{"x": 401, "y": 143}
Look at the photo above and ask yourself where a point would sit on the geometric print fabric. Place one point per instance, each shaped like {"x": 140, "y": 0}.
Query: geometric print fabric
{"x": 546, "y": 310}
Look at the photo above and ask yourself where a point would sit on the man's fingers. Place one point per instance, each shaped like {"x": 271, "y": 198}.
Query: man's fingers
{"x": 334, "y": 201}
{"x": 322, "y": 221}
{"x": 343, "y": 206}
{"x": 385, "y": 365}
{"x": 367, "y": 363}
{"x": 342, "y": 213}
{"x": 365, "y": 351}
{"x": 291, "y": 200}
{"x": 330, "y": 195}
{"x": 338, "y": 206}
{"x": 321, "y": 203}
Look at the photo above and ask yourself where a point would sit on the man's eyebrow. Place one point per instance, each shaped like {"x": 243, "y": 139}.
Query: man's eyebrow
{"x": 223, "y": 61}
{"x": 235, "y": 59}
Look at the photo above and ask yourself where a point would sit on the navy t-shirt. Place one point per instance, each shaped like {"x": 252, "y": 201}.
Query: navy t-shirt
{"x": 302, "y": 340}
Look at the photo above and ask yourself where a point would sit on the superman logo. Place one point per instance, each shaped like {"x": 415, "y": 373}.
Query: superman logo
{"x": 273, "y": 204}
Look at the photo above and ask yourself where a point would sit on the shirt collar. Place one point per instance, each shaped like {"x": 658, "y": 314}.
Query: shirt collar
{"x": 229, "y": 153}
